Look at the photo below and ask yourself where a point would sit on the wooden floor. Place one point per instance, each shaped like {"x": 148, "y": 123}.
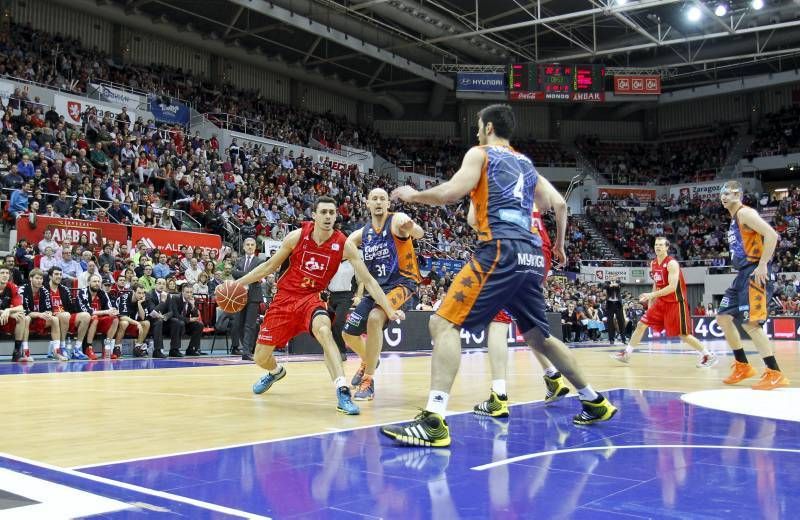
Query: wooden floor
{"x": 74, "y": 419}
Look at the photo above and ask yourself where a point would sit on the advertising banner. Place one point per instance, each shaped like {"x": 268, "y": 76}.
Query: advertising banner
{"x": 481, "y": 82}
{"x": 628, "y": 275}
{"x": 71, "y": 229}
{"x": 585, "y": 97}
{"x": 637, "y": 85}
{"x": 643, "y": 194}
{"x": 704, "y": 190}
{"x": 72, "y": 107}
{"x": 168, "y": 110}
{"x": 116, "y": 96}
{"x": 706, "y": 327}
{"x": 170, "y": 241}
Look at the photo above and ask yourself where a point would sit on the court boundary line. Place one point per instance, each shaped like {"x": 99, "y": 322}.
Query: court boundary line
{"x": 293, "y": 437}
{"x": 537, "y": 455}
{"x": 139, "y": 489}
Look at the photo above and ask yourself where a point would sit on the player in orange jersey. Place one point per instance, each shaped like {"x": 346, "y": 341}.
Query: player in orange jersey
{"x": 752, "y": 243}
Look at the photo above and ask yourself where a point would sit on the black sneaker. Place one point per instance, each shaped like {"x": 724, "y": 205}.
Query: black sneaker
{"x": 427, "y": 429}
{"x": 595, "y": 411}
{"x": 495, "y": 406}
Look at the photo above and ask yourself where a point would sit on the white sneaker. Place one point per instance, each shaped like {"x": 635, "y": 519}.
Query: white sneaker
{"x": 622, "y": 357}
{"x": 707, "y": 360}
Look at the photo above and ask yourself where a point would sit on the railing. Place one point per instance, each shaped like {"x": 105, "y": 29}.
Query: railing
{"x": 717, "y": 264}
{"x": 138, "y": 92}
{"x": 42, "y": 85}
{"x": 352, "y": 153}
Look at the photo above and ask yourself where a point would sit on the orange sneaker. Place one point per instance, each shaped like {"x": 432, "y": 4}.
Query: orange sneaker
{"x": 739, "y": 372}
{"x": 771, "y": 379}
{"x": 90, "y": 353}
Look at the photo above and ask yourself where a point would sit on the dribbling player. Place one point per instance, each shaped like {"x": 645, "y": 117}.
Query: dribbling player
{"x": 314, "y": 253}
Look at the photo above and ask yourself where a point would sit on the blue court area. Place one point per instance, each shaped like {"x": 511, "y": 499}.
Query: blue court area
{"x": 659, "y": 458}
{"x": 101, "y": 365}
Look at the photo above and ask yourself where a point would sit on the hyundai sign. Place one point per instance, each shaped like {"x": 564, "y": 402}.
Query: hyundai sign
{"x": 480, "y": 82}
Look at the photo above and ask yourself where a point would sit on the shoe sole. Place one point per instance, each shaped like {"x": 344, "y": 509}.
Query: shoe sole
{"x": 626, "y": 362}
{"x": 283, "y": 374}
{"x": 599, "y": 419}
{"x": 348, "y": 412}
{"x": 781, "y": 384}
{"x": 738, "y": 380}
{"x": 414, "y": 441}
{"x": 370, "y": 398}
{"x": 501, "y": 415}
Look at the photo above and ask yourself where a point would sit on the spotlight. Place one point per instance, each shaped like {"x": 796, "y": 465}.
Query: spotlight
{"x": 621, "y": 2}
{"x": 694, "y": 14}
{"x": 757, "y": 4}
{"x": 721, "y": 10}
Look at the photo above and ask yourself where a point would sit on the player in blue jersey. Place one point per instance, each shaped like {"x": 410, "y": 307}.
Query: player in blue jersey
{"x": 387, "y": 242}
{"x": 752, "y": 243}
{"x": 505, "y": 272}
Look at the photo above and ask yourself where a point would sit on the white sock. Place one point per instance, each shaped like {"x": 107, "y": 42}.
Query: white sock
{"x": 587, "y": 393}
{"x": 24, "y": 346}
{"x": 499, "y": 386}
{"x": 550, "y": 371}
{"x": 629, "y": 348}
{"x": 705, "y": 351}
{"x": 276, "y": 370}
{"x": 437, "y": 402}
{"x": 53, "y": 346}
{"x": 340, "y": 382}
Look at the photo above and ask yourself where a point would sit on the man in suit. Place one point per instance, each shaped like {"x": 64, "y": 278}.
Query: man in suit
{"x": 245, "y": 325}
{"x": 157, "y": 307}
{"x": 184, "y": 318}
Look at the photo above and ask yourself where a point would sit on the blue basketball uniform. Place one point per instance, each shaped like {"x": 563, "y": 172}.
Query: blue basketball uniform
{"x": 507, "y": 269}
{"x": 392, "y": 261}
{"x": 746, "y": 299}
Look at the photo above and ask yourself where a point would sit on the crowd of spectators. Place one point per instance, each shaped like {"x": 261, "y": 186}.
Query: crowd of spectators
{"x": 668, "y": 162}
{"x": 696, "y": 227}
{"x": 778, "y": 134}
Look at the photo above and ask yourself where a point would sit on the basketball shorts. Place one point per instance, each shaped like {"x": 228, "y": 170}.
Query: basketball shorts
{"x": 503, "y": 316}
{"x": 132, "y": 330}
{"x": 746, "y": 299}
{"x": 288, "y": 316}
{"x": 501, "y": 275}
{"x": 73, "y": 324}
{"x": 672, "y": 317}
{"x": 356, "y": 323}
{"x": 104, "y": 323}
{"x": 39, "y": 327}
{"x": 9, "y": 327}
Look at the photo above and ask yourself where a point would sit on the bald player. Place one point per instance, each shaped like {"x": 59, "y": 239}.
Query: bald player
{"x": 387, "y": 242}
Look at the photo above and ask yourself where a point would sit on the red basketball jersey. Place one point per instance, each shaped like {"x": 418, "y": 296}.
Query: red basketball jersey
{"x": 660, "y": 275}
{"x": 312, "y": 266}
{"x": 538, "y": 227}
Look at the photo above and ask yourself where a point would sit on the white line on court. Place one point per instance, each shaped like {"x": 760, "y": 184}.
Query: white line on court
{"x": 529, "y": 456}
{"x": 293, "y": 437}
{"x": 132, "y": 487}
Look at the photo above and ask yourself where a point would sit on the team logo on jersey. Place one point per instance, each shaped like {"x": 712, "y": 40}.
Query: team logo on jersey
{"x": 335, "y": 247}
{"x": 314, "y": 264}
{"x": 657, "y": 277}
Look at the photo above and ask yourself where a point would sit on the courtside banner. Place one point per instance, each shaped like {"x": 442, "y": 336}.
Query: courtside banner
{"x": 643, "y": 194}
{"x": 637, "y": 85}
{"x": 480, "y": 82}
{"x": 71, "y": 229}
{"x": 706, "y": 327}
{"x": 169, "y": 241}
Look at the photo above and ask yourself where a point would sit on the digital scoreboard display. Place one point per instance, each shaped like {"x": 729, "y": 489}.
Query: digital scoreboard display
{"x": 553, "y": 81}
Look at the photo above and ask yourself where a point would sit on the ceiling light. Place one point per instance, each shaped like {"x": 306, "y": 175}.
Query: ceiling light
{"x": 694, "y": 14}
{"x": 721, "y": 10}
{"x": 757, "y": 4}
{"x": 622, "y": 2}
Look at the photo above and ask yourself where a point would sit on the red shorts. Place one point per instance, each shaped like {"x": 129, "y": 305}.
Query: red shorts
{"x": 288, "y": 316}
{"x": 132, "y": 330}
{"x": 39, "y": 327}
{"x": 9, "y": 327}
{"x": 73, "y": 323}
{"x": 503, "y": 316}
{"x": 103, "y": 323}
{"x": 672, "y": 317}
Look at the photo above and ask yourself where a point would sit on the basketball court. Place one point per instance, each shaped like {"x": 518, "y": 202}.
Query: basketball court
{"x": 185, "y": 438}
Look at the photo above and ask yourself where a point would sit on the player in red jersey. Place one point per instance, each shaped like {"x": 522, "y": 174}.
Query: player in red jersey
{"x": 12, "y": 316}
{"x": 314, "y": 253}
{"x": 497, "y": 344}
{"x": 668, "y": 308}
{"x": 70, "y": 322}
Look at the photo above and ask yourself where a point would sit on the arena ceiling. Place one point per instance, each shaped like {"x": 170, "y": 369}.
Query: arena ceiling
{"x": 391, "y": 45}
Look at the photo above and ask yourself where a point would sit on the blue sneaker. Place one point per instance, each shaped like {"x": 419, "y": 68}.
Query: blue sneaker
{"x": 345, "y": 404}
{"x": 77, "y": 353}
{"x": 267, "y": 380}
{"x": 366, "y": 390}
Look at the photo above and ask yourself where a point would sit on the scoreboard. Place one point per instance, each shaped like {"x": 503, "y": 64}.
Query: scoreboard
{"x": 553, "y": 81}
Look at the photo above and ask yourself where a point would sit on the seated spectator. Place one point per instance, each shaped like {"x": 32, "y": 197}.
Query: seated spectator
{"x": 184, "y": 318}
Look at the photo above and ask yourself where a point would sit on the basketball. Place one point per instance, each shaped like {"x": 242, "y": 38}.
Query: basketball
{"x": 231, "y": 296}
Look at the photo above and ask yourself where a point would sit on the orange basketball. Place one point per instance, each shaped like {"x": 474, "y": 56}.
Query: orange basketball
{"x": 231, "y": 296}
